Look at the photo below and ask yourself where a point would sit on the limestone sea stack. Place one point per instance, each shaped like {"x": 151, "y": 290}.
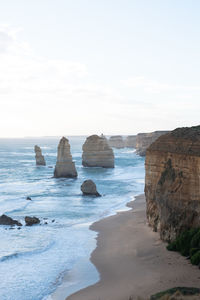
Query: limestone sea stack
{"x": 65, "y": 167}
{"x": 116, "y": 141}
{"x": 40, "y": 161}
{"x": 172, "y": 182}
{"x": 130, "y": 141}
{"x": 144, "y": 140}
{"x": 88, "y": 188}
{"x": 97, "y": 153}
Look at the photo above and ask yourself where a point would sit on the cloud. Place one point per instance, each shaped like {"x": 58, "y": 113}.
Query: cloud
{"x": 45, "y": 96}
{"x": 155, "y": 86}
{"x": 5, "y": 41}
{"x": 23, "y": 72}
{"x": 42, "y": 96}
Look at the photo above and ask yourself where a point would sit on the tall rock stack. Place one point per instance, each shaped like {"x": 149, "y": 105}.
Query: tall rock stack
{"x": 97, "y": 153}
{"x": 116, "y": 141}
{"x": 40, "y": 161}
{"x": 65, "y": 167}
{"x": 172, "y": 182}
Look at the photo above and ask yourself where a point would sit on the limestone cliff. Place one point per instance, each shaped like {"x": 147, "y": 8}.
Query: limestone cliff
{"x": 97, "y": 153}
{"x": 65, "y": 167}
{"x": 116, "y": 141}
{"x": 144, "y": 140}
{"x": 40, "y": 161}
{"x": 172, "y": 182}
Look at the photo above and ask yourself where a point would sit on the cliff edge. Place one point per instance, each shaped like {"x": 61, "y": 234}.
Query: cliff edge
{"x": 172, "y": 182}
{"x": 144, "y": 140}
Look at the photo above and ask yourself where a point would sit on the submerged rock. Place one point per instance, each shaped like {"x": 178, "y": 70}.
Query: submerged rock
{"x": 40, "y": 161}
{"x": 5, "y": 220}
{"x": 97, "y": 153}
{"x": 65, "y": 167}
{"x": 88, "y": 187}
{"x": 31, "y": 221}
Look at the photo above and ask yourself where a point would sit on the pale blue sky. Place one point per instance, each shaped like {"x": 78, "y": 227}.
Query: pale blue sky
{"x": 88, "y": 66}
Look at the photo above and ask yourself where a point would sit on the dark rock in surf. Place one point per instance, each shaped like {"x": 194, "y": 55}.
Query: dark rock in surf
{"x": 5, "y": 220}
{"x": 31, "y": 221}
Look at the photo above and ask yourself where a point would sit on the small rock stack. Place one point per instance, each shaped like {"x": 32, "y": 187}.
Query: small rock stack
{"x": 40, "y": 161}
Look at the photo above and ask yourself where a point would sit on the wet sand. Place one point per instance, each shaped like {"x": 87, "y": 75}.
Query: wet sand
{"x": 133, "y": 261}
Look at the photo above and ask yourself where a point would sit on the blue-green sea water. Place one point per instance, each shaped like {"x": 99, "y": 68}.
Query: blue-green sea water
{"x": 33, "y": 260}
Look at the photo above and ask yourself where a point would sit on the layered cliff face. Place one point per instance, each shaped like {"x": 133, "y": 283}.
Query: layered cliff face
{"x": 172, "y": 182}
{"x": 116, "y": 141}
{"x": 130, "y": 141}
{"x": 65, "y": 167}
{"x": 144, "y": 140}
{"x": 97, "y": 153}
{"x": 40, "y": 161}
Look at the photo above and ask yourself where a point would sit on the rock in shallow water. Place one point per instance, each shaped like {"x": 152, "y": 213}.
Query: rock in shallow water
{"x": 31, "y": 221}
{"x": 97, "y": 153}
{"x": 65, "y": 167}
{"x": 5, "y": 220}
{"x": 88, "y": 187}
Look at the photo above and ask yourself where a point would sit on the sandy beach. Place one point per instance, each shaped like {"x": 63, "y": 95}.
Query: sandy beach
{"x": 133, "y": 261}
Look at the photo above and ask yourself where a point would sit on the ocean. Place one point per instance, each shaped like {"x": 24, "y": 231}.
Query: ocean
{"x": 34, "y": 260}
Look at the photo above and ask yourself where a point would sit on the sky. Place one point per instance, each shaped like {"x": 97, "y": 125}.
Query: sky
{"x": 80, "y": 67}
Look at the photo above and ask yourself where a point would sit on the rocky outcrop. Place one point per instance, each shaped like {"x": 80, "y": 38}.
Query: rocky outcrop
{"x": 116, "y": 141}
{"x": 144, "y": 140}
{"x": 130, "y": 141}
{"x": 88, "y": 187}
{"x": 97, "y": 153}
{"x": 40, "y": 161}
{"x": 65, "y": 167}
{"x": 172, "y": 182}
{"x": 5, "y": 220}
{"x": 31, "y": 221}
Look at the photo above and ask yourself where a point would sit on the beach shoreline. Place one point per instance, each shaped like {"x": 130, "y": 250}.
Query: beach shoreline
{"x": 132, "y": 261}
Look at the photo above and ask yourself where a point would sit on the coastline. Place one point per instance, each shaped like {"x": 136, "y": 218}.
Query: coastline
{"x": 132, "y": 260}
